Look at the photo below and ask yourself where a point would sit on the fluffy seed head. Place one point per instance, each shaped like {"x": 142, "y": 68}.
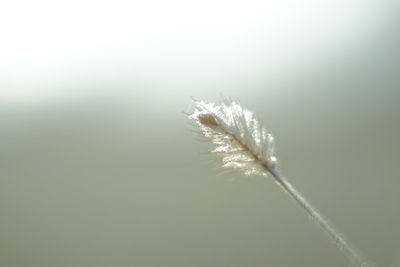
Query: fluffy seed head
{"x": 239, "y": 137}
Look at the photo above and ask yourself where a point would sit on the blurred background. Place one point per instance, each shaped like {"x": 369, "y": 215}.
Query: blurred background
{"x": 97, "y": 167}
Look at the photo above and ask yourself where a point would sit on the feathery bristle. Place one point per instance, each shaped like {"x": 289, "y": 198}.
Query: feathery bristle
{"x": 239, "y": 137}
{"x": 245, "y": 145}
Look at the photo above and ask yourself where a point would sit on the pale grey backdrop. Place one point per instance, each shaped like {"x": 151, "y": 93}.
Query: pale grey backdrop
{"x": 97, "y": 167}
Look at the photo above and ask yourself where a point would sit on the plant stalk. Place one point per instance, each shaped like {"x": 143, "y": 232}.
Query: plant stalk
{"x": 338, "y": 240}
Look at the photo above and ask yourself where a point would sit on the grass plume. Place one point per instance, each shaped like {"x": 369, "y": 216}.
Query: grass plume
{"x": 244, "y": 144}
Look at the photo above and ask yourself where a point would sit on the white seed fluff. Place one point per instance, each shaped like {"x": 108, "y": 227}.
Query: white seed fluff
{"x": 239, "y": 137}
{"x": 245, "y": 145}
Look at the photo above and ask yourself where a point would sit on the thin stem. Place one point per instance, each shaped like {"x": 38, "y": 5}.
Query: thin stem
{"x": 339, "y": 241}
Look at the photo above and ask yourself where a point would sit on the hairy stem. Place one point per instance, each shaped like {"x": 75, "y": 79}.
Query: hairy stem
{"x": 338, "y": 240}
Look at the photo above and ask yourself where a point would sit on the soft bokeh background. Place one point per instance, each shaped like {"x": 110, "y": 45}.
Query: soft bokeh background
{"x": 97, "y": 167}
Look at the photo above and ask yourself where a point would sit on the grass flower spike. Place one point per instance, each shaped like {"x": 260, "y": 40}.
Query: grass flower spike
{"x": 241, "y": 140}
{"x": 244, "y": 144}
